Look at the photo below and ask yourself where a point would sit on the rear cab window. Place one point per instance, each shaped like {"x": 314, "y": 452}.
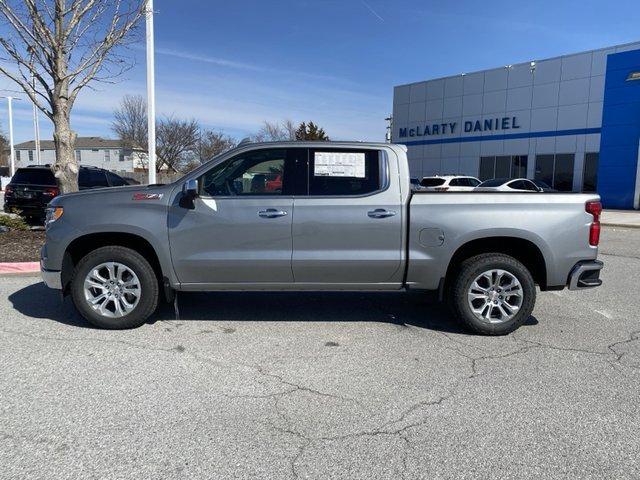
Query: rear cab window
{"x": 344, "y": 172}
{"x": 34, "y": 176}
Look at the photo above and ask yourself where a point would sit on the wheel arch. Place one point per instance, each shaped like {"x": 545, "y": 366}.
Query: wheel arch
{"x": 84, "y": 244}
{"x": 523, "y": 250}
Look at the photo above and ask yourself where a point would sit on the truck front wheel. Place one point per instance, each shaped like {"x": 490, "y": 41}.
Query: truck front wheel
{"x": 114, "y": 287}
{"x": 493, "y": 294}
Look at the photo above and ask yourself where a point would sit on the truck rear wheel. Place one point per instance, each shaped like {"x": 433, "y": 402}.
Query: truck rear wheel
{"x": 493, "y": 294}
{"x": 114, "y": 287}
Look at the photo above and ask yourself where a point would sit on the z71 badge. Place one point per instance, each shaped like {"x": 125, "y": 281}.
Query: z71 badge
{"x": 147, "y": 196}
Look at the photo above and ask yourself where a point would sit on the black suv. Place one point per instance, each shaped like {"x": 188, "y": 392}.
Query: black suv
{"x": 32, "y": 188}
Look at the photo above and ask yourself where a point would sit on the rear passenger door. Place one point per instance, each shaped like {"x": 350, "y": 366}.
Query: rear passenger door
{"x": 347, "y": 232}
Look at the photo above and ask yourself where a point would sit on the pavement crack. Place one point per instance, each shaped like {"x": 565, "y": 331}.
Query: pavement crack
{"x": 633, "y": 337}
{"x": 302, "y": 388}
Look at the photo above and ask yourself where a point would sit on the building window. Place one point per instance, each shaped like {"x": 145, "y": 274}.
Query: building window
{"x": 121, "y": 155}
{"x": 107, "y": 155}
{"x": 17, "y": 152}
{"x": 519, "y": 166}
{"x": 487, "y": 168}
{"x": 78, "y": 156}
{"x": 590, "y": 177}
{"x": 31, "y": 155}
{"x": 503, "y": 166}
{"x": 556, "y": 170}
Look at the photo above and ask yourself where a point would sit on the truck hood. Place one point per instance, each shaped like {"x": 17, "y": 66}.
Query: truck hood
{"x": 121, "y": 193}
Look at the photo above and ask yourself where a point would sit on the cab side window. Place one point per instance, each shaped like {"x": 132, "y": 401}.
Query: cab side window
{"x": 340, "y": 172}
{"x": 115, "y": 180}
{"x": 260, "y": 172}
{"x": 92, "y": 178}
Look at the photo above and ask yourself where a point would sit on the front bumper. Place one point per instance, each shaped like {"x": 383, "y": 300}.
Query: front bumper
{"x": 51, "y": 278}
{"x": 585, "y": 274}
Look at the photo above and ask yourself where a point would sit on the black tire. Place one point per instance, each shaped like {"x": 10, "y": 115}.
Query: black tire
{"x": 149, "y": 288}
{"x": 469, "y": 270}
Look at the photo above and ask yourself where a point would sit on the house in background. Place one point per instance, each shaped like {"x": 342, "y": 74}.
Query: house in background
{"x": 100, "y": 152}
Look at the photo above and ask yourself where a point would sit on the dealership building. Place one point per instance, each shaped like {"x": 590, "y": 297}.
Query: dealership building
{"x": 572, "y": 122}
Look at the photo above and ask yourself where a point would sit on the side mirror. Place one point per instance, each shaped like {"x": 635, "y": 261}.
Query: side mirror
{"x": 191, "y": 188}
{"x": 189, "y": 194}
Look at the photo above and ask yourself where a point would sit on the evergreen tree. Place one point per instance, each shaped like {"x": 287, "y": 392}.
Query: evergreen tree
{"x": 311, "y": 132}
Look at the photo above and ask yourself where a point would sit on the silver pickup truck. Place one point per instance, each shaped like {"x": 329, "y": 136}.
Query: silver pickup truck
{"x": 317, "y": 216}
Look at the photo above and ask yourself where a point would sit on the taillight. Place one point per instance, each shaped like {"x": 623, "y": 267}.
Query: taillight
{"x": 51, "y": 192}
{"x": 595, "y": 209}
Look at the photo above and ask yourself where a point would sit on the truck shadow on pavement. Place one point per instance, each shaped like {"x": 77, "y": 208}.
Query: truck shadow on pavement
{"x": 398, "y": 308}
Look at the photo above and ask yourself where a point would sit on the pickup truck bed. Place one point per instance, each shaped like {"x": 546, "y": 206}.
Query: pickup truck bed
{"x": 550, "y": 231}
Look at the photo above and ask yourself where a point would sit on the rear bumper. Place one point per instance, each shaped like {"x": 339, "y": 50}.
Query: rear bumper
{"x": 28, "y": 207}
{"x": 585, "y": 274}
{"x": 51, "y": 278}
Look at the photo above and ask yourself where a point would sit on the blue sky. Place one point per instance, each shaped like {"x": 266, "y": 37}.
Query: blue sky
{"x": 232, "y": 65}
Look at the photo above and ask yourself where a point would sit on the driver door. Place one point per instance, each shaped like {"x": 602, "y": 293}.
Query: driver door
{"x": 240, "y": 229}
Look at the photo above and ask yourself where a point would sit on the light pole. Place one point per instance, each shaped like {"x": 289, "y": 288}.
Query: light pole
{"x": 13, "y": 153}
{"x": 151, "y": 94}
{"x": 36, "y": 124}
{"x": 10, "y": 100}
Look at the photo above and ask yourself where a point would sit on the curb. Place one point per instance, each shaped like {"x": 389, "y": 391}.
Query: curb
{"x": 620, "y": 225}
{"x": 13, "y": 269}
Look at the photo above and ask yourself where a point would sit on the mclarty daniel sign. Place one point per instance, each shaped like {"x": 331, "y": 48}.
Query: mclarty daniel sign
{"x": 469, "y": 126}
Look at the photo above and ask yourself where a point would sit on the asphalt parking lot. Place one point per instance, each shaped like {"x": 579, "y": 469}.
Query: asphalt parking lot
{"x": 325, "y": 386}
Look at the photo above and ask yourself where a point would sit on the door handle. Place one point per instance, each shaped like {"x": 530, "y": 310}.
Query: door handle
{"x": 381, "y": 213}
{"x": 271, "y": 213}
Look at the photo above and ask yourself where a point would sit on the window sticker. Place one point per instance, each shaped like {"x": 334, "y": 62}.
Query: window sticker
{"x": 339, "y": 164}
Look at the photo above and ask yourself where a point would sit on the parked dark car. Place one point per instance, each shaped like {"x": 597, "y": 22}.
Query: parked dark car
{"x": 32, "y": 188}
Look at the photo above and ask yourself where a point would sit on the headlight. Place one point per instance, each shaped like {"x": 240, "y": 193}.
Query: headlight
{"x": 53, "y": 214}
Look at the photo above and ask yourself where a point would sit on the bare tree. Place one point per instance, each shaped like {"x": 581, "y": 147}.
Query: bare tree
{"x": 273, "y": 132}
{"x": 4, "y": 149}
{"x": 177, "y": 143}
{"x": 65, "y": 45}
{"x": 212, "y": 143}
{"x": 130, "y": 122}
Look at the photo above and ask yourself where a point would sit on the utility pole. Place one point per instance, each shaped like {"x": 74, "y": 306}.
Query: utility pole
{"x": 151, "y": 94}
{"x": 389, "y": 121}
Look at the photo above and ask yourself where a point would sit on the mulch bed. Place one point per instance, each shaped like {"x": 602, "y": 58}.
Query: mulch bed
{"x": 21, "y": 246}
